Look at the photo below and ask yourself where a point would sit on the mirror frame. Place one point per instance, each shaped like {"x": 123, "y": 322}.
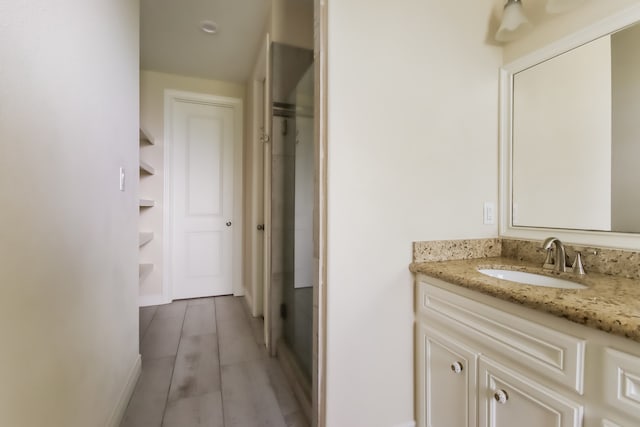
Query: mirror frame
{"x": 615, "y": 22}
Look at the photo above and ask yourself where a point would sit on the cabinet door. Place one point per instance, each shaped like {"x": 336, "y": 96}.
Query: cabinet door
{"x": 621, "y": 386}
{"x": 508, "y": 399}
{"x": 446, "y": 382}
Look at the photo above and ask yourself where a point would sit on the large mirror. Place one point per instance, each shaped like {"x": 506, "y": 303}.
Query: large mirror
{"x": 576, "y": 138}
{"x": 573, "y": 137}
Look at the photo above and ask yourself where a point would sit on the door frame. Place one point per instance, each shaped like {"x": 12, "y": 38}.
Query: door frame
{"x": 171, "y": 96}
{"x": 321, "y": 142}
{"x": 266, "y": 170}
{"x": 259, "y": 83}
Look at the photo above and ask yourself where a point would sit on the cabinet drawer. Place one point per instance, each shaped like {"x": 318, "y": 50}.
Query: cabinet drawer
{"x": 554, "y": 355}
{"x": 622, "y": 382}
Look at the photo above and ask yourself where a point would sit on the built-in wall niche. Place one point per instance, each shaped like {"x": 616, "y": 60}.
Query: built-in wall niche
{"x": 145, "y": 236}
{"x": 146, "y": 138}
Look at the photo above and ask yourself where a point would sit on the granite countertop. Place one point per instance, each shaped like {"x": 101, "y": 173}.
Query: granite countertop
{"x": 610, "y": 303}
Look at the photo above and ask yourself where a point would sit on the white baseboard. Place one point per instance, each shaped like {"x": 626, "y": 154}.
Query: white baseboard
{"x": 123, "y": 400}
{"x": 408, "y": 424}
{"x": 147, "y": 300}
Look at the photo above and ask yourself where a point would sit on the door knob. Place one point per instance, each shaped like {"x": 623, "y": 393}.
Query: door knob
{"x": 501, "y": 396}
{"x": 228, "y": 223}
{"x": 456, "y": 367}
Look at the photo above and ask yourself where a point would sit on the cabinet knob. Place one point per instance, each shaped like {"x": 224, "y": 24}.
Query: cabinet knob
{"x": 456, "y": 367}
{"x": 501, "y": 396}
{"x": 228, "y": 224}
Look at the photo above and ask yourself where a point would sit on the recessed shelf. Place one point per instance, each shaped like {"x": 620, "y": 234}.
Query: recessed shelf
{"x": 146, "y": 167}
{"x": 144, "y": 237}
{"x": 145, "y": 269}
{"x": 144, "y": 137}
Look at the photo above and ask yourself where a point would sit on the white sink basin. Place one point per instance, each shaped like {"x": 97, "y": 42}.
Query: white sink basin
{"x": 531, "y": 278}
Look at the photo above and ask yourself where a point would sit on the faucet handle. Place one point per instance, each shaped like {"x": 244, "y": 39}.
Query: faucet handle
{"x": 586, "y": 250}
{"x": 577, "y": 266}
{"x": 548, "y": 262}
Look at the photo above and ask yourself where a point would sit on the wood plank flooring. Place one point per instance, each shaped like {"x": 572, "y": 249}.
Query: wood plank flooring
{"x": 204, "y": 364}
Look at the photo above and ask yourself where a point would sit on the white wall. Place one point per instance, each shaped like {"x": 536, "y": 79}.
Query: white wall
{"x": 412, "y": 155}
{"x": 152, "y": 87}
{"x": 562, "y": 140}
{"x": 68, "y": 236}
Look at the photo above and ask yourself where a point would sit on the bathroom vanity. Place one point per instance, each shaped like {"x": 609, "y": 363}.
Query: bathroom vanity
{"x": 491, "y": 352}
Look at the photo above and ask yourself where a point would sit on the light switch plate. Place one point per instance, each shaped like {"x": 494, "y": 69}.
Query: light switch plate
{"x": 488, "y": 213}
{"x": 121, "y": 179}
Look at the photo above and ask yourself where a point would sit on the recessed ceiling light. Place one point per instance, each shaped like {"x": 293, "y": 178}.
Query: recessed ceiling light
{"x": 209, "y": 27}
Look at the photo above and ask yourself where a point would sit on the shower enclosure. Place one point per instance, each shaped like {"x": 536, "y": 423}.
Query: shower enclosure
{"x": 292, "y": 205}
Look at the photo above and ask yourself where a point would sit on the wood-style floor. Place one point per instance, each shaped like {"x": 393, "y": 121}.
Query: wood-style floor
{"x": 204, "y": 364}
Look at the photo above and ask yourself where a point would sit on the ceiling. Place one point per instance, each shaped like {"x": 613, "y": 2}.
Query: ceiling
{"x": 171, "y": 40}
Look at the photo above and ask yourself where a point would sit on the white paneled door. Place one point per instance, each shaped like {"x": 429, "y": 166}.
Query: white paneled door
{"x": 201, "y": 179}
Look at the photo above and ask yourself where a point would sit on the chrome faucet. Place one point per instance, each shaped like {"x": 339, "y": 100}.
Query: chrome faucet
{"x": 559, "y": 261}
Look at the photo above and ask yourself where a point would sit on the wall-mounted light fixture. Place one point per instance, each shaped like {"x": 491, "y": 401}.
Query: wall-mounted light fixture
{"x": 514, "y": 22}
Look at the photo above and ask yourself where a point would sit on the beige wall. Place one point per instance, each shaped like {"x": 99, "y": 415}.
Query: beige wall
{"x": 291, "y": 22}
{"x": 412, "y": 155}
{"x": 68, "y": 236}
{"x": 558, "y": 26}
{"x": 152, "y": 87}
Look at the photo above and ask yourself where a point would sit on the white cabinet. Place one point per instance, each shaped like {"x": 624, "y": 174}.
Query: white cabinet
{"x": 547, "y": 352}
{"x": 508, "y": 399}
{"x": 622, "y": 382}
{"x": 447, "y": 375}
{"x": 460, "y": 385}
{"x": 484, "y": 362}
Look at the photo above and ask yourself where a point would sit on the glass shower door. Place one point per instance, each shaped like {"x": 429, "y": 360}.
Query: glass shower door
{"x": 298, "y": 291}
{"x": 292, "y": 197}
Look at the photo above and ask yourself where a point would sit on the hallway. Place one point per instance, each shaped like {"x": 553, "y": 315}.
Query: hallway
{"x": 204, "y": 364}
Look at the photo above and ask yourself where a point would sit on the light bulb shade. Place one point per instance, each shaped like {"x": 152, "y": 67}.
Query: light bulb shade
{"x": 514, "y": 22}
{"x": 561, "y": 6}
